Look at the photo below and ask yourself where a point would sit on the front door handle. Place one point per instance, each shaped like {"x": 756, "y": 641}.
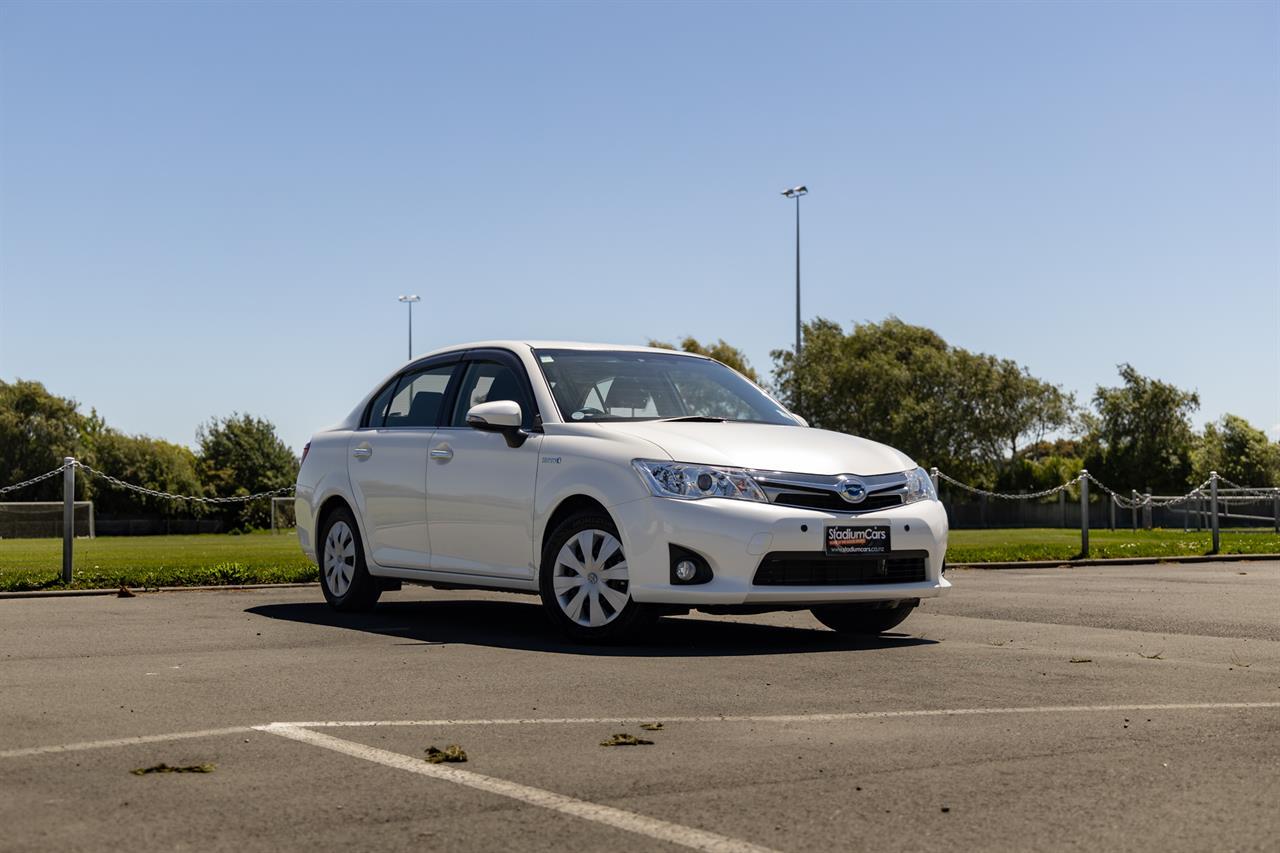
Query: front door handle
{"x": 444, "y": 454}
{"x": 363, "y": 452}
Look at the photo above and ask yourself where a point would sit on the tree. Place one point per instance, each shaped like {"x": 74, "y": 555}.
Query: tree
{"x": 721, "y": 351}
{"x": 1011, "y": 409}
{"x": 37, "y": 429}
{"x": 967, "y": 413}
{"x": 1238, "y": 451}
{"x": 1141, "y": 434}
{"x": 242, "y": 455}
{"x": 148, "y": 462}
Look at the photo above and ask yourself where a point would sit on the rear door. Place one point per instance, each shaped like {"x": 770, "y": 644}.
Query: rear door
{"x": 387, "y": 464}
{"x": 480, "y": 491}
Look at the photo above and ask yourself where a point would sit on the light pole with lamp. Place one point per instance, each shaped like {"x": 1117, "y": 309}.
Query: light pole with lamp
{"x": 409, "y": 300}
{"x": 795, "y": 193}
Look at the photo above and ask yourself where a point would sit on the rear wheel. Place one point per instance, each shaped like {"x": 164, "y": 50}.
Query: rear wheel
{"x": 344, "y": 577}
{"x": 585, "y": 582}
{"x": 871, "y": 617}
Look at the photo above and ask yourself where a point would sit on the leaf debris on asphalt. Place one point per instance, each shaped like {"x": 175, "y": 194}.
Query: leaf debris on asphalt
{"x": 624, "y": 739}
{"x": 167, "y": 768}
{"x": 651, "y": 727}
{"x": 452, "y": 754}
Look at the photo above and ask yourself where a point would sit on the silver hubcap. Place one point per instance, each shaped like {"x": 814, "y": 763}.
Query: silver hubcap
{"x": 339, "y": 558}
{"x": 590, "y": 578}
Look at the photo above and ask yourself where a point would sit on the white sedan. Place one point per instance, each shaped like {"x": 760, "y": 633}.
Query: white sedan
{"x": 620, "y": 484}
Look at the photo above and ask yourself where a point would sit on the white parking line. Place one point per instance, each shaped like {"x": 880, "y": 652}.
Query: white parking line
{"x": 123, "y": 741}
{"x": 776, "y": 718}
{"x": 662, "y": 830}
{"x": 801, "y": 718}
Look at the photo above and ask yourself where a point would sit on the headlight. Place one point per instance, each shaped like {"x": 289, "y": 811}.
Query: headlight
{"x": 919, "y": 487}
{"x": 694, "y": 482}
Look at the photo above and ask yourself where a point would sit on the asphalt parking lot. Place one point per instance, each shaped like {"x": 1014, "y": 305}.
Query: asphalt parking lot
{"x": 1132, "y": 707}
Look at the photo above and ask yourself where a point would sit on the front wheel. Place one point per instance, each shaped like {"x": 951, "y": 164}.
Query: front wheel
{"x": 585, "y": 582}
{"x": 871, "y": 617}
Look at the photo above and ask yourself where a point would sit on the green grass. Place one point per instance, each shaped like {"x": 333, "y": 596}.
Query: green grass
{"x": 151, "y": 561}
{"x": 1048, "y": 543}
{"x": 155, "y": 561}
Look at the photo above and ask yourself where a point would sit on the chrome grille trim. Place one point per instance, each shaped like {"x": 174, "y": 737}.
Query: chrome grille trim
{"x": 881, "y": 489}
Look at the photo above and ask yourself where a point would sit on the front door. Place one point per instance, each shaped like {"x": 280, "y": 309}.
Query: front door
{"x": 480, "y": 491}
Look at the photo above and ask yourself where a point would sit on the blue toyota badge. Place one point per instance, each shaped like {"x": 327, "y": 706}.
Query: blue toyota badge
{"x": 852, "y": 490}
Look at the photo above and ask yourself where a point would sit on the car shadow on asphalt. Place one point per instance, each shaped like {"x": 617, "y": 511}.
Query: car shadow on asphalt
{"x": 521, "y": 625}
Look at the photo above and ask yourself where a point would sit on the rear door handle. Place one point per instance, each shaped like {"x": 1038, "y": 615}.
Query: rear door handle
{"x": 362, "y": 452}
{"x": 441, "y": 453}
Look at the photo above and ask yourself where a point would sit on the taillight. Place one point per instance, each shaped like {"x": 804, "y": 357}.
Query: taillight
{"x": 305, "y": 448}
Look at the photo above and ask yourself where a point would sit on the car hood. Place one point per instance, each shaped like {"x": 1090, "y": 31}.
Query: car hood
{"x": 767, "y": 447}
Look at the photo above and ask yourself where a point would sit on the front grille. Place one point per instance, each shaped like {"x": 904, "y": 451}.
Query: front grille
{"x": 809, "y": 568}
{"x": 832, "y": 502}
{"x": 822, "y": 491}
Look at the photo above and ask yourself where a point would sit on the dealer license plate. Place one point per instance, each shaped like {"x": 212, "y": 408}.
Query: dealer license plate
{"x": 857, "y": 539}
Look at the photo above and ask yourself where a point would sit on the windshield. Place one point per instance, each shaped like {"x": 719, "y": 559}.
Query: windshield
{"x": 592, "y": 385}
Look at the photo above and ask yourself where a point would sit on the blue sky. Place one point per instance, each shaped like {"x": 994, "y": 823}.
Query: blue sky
{"x": 207, "y": 208}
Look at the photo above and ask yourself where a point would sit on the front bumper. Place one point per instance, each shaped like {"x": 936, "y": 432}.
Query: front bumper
{"x": 734, "y": 535}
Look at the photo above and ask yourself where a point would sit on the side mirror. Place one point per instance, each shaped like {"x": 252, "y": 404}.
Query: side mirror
{"x": 502, "y": 416}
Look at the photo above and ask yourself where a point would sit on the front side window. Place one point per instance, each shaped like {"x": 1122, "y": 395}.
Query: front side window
{"x": 417, "y": 399}
{"x": 590, "y": 385}
{"x": 487, "y": 382}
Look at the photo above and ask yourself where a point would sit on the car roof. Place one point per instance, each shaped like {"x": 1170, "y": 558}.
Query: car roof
{"x": 535, "y": 344}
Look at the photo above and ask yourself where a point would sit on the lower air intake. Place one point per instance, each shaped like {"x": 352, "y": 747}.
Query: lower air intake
{"x": 805, "y": 568}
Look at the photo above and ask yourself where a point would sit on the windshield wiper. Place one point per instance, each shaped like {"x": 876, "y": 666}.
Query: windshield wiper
{"x": 702, "y": 419}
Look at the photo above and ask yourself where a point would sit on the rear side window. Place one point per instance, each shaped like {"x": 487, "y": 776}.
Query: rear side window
{"x": 416, "y": 400}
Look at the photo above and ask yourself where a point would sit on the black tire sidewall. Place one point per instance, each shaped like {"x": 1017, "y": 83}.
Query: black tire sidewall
{"x": 363, "y": 592}
{"x": 634, "y": 616}
{"x": 860, "y": 618}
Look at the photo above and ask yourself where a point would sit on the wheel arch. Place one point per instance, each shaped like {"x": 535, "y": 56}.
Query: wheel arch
{"x": 568, "y": 507}
{"x": 327, "y": 506}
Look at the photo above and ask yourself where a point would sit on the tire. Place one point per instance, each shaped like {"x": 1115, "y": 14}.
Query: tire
{"x": 344, "y": 577}
{"x": 585, "y": 583}
{"x": 873, "y": 617}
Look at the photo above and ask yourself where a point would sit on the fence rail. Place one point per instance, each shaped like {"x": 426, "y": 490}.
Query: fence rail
{"x": 1206, "y": 501}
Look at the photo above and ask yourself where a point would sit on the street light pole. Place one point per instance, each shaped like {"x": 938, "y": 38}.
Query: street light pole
{"x": 796, "y": 192}
{"x": 409, "y": 300}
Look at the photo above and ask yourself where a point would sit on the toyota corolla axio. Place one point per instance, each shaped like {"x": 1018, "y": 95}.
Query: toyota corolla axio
{"x": 619, "y": 484}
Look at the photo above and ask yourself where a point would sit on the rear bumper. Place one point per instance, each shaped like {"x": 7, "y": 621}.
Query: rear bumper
{"x": 733, "y": 537}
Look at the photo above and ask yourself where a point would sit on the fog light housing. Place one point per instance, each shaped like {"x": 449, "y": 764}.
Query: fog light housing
{"x": 688, "y": 567}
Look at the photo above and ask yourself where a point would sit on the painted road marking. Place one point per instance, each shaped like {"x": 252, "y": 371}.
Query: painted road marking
{"x": 802, "y": 718}
{"x": 674, "y": 833}
{"x": 123, "y": 741}
{"x": 776, "y": 718}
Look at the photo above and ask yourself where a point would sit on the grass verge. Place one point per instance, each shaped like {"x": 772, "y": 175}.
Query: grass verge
{"x": 1048, "y": 543}
{"x": 150, "y": 561}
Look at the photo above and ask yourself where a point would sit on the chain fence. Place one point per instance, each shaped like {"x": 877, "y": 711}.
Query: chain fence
{"x": 1207, "y": 500}
{"x": 155, "y": 493}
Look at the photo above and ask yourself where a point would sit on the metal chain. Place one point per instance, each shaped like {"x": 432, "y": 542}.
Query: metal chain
{"x": 1259, "y": 491}
{"x": 155, "y": 493}
{"x": 55, "y": 472}
{"x": 1010, "y": 496}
